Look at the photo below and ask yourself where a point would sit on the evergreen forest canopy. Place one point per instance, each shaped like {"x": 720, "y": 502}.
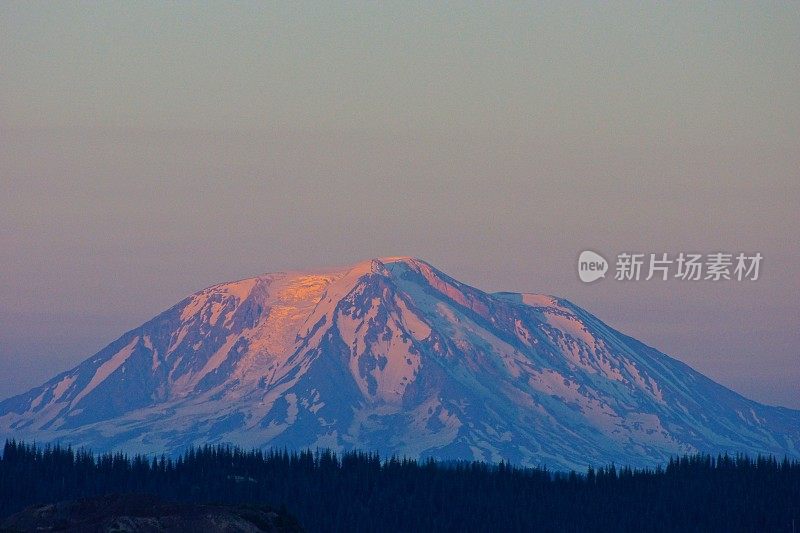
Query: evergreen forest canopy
{"x": 358, "y": 491}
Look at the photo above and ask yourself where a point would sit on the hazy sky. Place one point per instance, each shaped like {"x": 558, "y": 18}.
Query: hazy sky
{"x": 148, "y": 150}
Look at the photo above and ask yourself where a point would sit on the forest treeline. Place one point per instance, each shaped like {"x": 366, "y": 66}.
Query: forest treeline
{"x": 358, "y": 491}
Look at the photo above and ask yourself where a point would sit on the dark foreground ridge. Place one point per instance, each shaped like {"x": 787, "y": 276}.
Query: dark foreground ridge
{"x": 360, "y": 492}
{"x": 135, "y": 513}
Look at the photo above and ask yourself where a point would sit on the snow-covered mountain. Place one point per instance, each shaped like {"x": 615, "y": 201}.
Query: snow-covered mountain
{"x": 395, "y": 356}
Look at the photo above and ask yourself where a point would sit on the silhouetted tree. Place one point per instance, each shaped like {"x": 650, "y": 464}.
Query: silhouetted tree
{"x": 357, "y": 491}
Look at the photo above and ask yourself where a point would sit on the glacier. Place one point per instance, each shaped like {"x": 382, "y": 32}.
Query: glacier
{"x": 394, "y": 356}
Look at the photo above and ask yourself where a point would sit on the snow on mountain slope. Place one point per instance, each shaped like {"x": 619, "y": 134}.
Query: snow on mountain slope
{"x": 395, "y": 356}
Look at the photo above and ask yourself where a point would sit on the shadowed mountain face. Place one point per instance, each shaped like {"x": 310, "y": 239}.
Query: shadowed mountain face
{"x": 395, "y": 356}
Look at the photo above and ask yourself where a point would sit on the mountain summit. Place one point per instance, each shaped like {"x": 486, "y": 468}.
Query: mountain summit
{"x": 395, "y": 356}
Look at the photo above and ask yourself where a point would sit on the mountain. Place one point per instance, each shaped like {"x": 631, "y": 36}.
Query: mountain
{"x": 395, "y": 356}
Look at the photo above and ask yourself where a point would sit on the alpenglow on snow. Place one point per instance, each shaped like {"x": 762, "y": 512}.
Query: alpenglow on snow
{"x": 392, "y": 355}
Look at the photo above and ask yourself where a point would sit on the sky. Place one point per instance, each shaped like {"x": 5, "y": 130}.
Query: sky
{"x": 151, "y": 149}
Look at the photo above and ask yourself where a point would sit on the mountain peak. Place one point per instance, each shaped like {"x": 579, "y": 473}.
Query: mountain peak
{"x": 391, "y": 354}
{"x": 381, "y": 265}
{"x": 396, "y": 259}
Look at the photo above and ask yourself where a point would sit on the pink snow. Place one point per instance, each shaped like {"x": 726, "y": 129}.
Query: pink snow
{"x": 62, "y": 387}
{"x": 106, "y": 369}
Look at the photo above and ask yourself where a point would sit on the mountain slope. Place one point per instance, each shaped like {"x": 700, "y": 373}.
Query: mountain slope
{"x": 395, "y": 356}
